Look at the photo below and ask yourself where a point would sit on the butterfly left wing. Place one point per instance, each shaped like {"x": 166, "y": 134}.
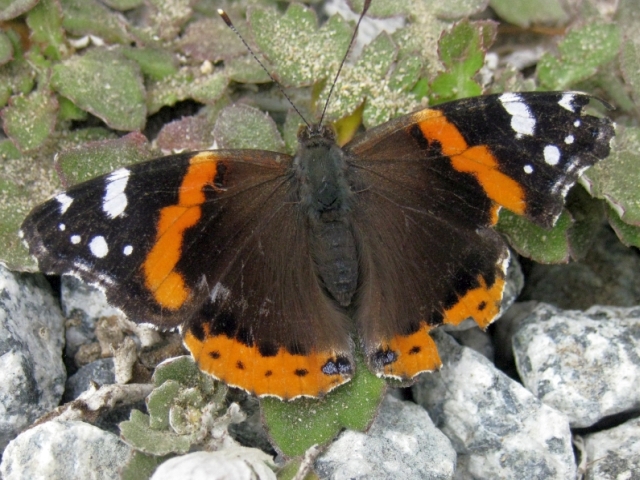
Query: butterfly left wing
{"x": 429, "y": 187}
{"x": 212, "y": 242}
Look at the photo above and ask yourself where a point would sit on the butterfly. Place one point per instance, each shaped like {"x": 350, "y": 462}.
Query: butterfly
{"x": 277, "y": 267}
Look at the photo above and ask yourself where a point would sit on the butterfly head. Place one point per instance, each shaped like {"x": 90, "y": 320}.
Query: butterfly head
{"x": 316, "y": 134}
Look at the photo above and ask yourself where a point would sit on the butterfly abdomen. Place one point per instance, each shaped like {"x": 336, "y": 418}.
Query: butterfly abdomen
{"x": 325, "y": 197}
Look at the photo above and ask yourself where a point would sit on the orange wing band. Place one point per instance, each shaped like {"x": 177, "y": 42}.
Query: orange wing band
{"x": 481, "y": 303}
{"x": 282, "y": 375}
{"x": 477, "y": 160}
{"x": 167, "y": 286}
{"x": 416, "y": 353}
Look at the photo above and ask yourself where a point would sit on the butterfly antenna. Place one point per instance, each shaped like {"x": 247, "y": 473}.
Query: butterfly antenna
{"x": 230, "y": 24}
{"x": 366, "y": 6}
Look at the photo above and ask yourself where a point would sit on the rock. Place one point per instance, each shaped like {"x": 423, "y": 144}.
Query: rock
{"x": 64, "y": 450}
{"x": 476, "y": 339}
{"x": 402, "y": 443}
{"x": 31, "y": 343}
{"x": 585, "y": 364}
{"x": 613, "y": 454}
{"x": 101, "y": 372}
{"x": 237, "y": 463}
{"x": 497, "y": 427}
{"x": 83, "y": 304}
{"x": 503, "y": 331}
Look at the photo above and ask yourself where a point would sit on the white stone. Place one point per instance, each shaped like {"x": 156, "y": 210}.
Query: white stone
{"x": 498, "y": 428}
{"x": 69, "y": 450}
{"x": 585, "y": 364}
{"x": 614, "y": 454}
{"x": 402, "y": 443}
{"x": 237, "y": 463}
{"x": 31, "y": 342}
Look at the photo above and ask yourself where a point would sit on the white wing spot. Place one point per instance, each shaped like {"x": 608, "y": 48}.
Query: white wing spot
{"x": 127, "y": 250}
{"x": 98, "y": 246}
{"x": 551, "y": 155}
{"x": 75, "y": 239}
{"x": 114, "y": 201}
{"x": 567, "y": 102}
{"x": 528, "y": 169}
{"x": 65, "y": 202}
{"x": 569, "y": 139}
{"x": 62, "y": 227}
{"x": 577, "y": 123}
{"x": 522, "y": 120}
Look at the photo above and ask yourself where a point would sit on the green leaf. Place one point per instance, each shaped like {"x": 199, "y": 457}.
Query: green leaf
{"x": 211, "y": 39}
{"x": 534, "y": 242}
{"x": 188, "y": 82}
{"x": 246, "y": 70}
{"x": 91, "y": 17}
{"x": 159, "y": 404}
{"x": 300, "y": 52}
{"x": 45, "y": 22}
{"x": 297, "y": 425}
{"x": 29, "y": 120}
{"x": 156, "y": 64}
{"x": 69, "y": 110}
{"x": 588, "y": 215}
{"x": 164, "y": 19}
{"x": 241, "y": 126}
{"x": 106, "y": 84}
{"x": 525, "y": 13}
{"x": 455, "y": 9}
{"x": 630, "y": 65}
{"x": 462, "y": 51}
{"x": 17, "y": 76}
{"x": 379, "y": 81}
{"x": 616, "y": 179}
{"x": 136, "y": 432}
{"x": 14, "y": 8}
{"x": 123, "y": 4}
{"x": 582, "y": 52}
{"x": 97, "y": 158}
{"x": 384, "y": 8}
{"x": 183, "y": 370}
{"x": 141, "y": 466}
{"x": 6, "y": 48}
{"x": 628, "y": 234}
{"x": 15, "y": 202}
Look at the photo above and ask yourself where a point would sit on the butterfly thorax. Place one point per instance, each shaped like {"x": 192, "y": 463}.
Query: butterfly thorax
{"x": 325, "y": 196}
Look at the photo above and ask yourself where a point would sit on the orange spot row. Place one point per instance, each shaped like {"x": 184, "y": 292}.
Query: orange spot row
{"x": 416, "y": 353}
{"x": 477, "y": 160}
{"x": 481, "y": 303}
{"x": 283, "y": 375}
{"x": 167, "y": 286}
